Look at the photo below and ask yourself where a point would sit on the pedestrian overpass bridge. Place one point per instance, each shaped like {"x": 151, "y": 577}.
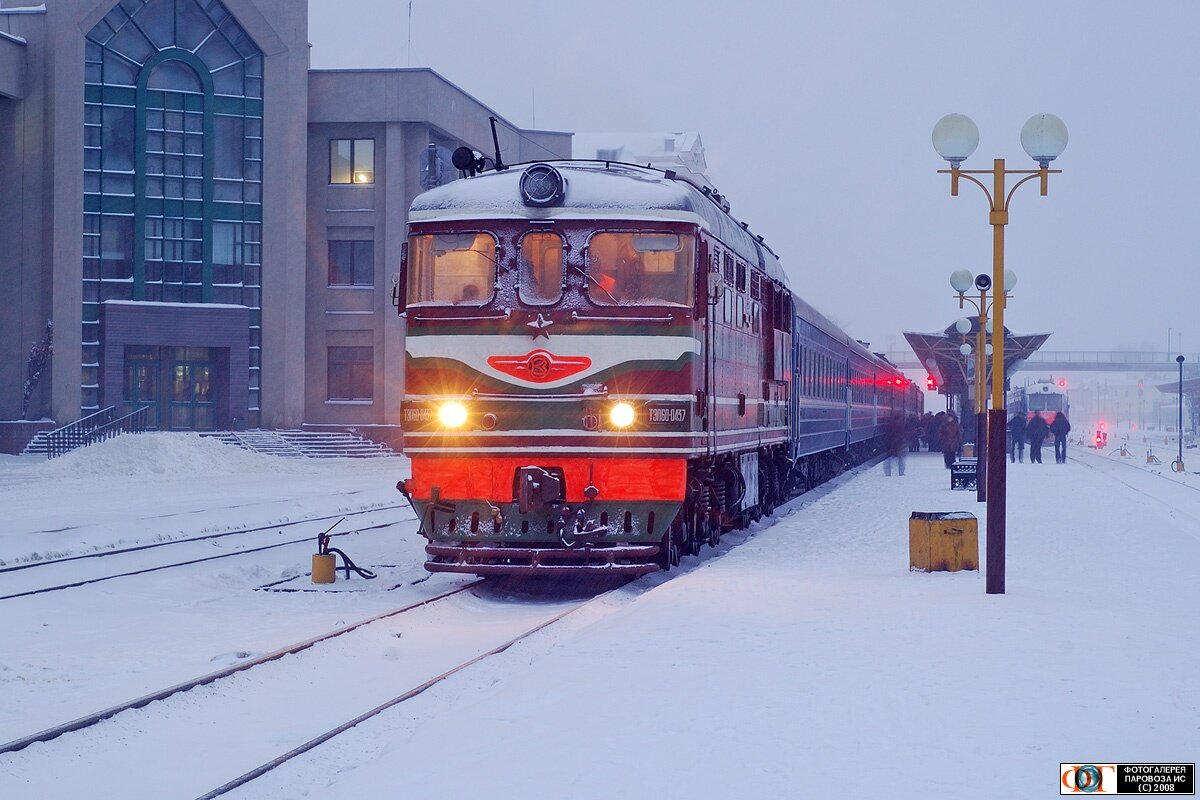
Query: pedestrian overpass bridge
{"x": 1082, "y": 361}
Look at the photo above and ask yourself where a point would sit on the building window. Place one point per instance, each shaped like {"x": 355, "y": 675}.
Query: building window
{"x": 351, "y": 263}
{"x": 352, "y": 161}
{"x": 351, "y": 373}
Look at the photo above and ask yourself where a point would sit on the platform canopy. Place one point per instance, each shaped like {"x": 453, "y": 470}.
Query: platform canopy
{"x": 939, "y": 353}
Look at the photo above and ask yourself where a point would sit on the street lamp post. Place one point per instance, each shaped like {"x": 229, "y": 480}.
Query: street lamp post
{"x": 955, "y": 137}
{"x": 961, "y": 281}
{"x": 1178, "y": 465}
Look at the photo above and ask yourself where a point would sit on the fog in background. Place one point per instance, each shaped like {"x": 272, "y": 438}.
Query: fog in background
{"x": 816, "y": 121}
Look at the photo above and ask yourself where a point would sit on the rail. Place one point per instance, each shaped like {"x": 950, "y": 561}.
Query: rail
{"x": 97, "y": 427}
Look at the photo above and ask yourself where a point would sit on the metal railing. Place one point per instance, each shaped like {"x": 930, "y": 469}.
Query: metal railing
{"x": 104, "y": 424}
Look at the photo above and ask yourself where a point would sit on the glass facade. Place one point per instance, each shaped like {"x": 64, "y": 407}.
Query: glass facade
{"x": 172, "y": 167}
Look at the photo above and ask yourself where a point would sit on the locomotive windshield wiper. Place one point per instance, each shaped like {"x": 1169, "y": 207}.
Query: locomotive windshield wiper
{"x": 582, "y": 272}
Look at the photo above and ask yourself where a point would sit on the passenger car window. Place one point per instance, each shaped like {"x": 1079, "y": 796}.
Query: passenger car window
{"x": 541, "y": 274}
{"x": 640, "y": 269}
{"x": 451, "y": 269}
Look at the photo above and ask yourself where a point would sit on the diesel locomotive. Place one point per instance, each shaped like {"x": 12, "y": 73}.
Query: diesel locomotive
{"x": 604, "y": 370}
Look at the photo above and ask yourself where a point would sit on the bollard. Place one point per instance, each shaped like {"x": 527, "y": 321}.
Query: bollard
{"x": 324, "y": 568}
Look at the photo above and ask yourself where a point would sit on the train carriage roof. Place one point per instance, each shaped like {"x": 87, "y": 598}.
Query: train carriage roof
{"x": 595, "y": 189}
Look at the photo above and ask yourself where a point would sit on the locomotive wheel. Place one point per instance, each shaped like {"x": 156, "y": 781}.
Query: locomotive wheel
{"x": 669, "y": 553}
{"x": 714, "y": 532}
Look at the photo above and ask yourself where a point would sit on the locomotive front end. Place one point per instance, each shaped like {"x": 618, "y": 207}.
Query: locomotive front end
{"x": 551, "y": 377}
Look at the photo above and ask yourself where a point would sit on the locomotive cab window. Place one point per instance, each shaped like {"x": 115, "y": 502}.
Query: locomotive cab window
{"x": 640, "y": 269}
{"x": 541, "y": 275}
{"x": 451, "y": 269}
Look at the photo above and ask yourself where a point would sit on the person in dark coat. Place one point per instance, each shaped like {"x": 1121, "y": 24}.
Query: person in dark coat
{"x": 1016, "y": 437}
{"x": 895, "y": 442}
{"x": 1060, "y": 427}
{"x": 1036, "y": 430}
{"x": 914, "y": 433}
{"x": 950, "y": 437}
{"x": 933, "y": 425}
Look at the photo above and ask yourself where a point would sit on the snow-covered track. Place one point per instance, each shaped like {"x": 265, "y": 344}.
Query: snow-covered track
{"x": 48, "y": 562}
{"x": 316, "y": 741}
{"x": 92, "y": 719}
{"x": 308, "y": 539}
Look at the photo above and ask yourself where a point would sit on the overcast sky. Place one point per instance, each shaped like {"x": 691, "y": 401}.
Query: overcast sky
{"x": 816, "y": 121}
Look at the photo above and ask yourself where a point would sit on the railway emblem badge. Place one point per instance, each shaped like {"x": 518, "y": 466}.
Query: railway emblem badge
{"x": 539, "y": 366}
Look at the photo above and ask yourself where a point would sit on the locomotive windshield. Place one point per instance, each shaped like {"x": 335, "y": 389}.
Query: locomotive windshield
{"x": 640, "y": 269}
{"x": 451, "y": 269}
{"x": 541, "y": 276}
{"x": 1045, "y": 402}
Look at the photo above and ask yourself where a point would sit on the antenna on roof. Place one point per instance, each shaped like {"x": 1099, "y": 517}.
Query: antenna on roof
{"x": 496, "y": 142}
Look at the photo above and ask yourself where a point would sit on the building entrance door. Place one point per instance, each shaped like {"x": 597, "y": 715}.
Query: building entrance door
{"x": 142, "y": 381}
{"x": 191, "y": 406}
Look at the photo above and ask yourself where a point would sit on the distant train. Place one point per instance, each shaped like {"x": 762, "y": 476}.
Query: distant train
{"x": 604, "y": 370}
{"x": 1043, "y": 397}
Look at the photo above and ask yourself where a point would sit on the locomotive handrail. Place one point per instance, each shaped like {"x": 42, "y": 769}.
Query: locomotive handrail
{"x": 576, "y": 316}
{"x": 506, "y": 315}
{"x": 530, "y": 398}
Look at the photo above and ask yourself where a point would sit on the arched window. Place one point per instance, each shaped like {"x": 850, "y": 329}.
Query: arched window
{"x": 172, "y": 165}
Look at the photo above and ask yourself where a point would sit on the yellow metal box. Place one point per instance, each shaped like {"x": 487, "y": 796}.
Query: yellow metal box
{"x": 940, "y": 541}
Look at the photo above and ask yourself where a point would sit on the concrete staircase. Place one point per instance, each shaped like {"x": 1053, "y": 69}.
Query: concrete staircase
{"x": 285, "y": 444}
{"x": 305, "y": 444}
{"x": 38, "y": 446}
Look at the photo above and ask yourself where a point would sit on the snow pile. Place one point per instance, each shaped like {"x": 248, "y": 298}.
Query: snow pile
{"x": 168, "y": 454}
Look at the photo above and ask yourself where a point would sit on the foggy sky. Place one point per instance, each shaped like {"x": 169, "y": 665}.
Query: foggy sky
{"x": 816, "y": 121}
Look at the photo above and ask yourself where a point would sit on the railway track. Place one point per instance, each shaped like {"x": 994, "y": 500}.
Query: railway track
{"x": 337, "y": 730}
{"x": 49, "y": 562}
{"x": 249, "y": 709}
{"x": 33, "y": 585}
{"x": 97, "y": 717}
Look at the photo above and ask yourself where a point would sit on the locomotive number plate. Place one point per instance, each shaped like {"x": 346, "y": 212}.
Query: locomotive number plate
{"x": 418, "y": 414}
{"x": 668, "y": 415}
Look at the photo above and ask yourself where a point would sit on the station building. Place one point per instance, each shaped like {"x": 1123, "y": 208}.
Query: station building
{"x": 210, "y": 228}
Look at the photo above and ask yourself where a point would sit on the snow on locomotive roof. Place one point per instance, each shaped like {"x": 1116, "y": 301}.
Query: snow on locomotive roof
{"x": 594, "y": 189}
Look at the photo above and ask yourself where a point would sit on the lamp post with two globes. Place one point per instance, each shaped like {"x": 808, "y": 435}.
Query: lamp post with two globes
{"x": 955, "y": 137}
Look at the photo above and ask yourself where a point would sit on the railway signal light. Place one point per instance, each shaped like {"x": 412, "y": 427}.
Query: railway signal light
{"x": 931, "y": 383}
{"x": 1062, "y": 383}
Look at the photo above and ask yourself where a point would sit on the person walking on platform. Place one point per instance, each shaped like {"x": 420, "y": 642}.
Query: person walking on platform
{"x": 1060, "y": 427}
{"x": 1016, "y": 437}
{"x": 895, "y": 443}
{"x": 1036, "y": 430}
{"x": 950, "y": 436}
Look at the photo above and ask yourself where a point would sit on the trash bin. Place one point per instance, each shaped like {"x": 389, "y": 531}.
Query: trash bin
{"x": 943, "y": 541}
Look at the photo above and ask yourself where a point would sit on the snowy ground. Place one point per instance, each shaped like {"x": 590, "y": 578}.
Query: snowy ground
{"x": 801, "y": 660}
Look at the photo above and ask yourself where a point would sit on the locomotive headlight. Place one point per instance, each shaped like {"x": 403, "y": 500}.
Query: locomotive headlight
{"x": 621, "y": 415}
{"x": 452, "y": 414}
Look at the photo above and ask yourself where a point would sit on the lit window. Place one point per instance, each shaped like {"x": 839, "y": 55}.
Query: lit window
{"x": 640, "y": 269}
{"x": 451, "y": 269}
{"x": 352, "y": 161}
{"x": 541, "y": 268}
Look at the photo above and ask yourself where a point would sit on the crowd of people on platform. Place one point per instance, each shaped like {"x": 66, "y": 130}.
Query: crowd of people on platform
{"x": 941, "y": 432}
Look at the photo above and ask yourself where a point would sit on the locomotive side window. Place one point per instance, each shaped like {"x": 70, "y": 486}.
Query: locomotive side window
{"x": 640, "y": 269}
{"x": 451, "y": 269}
{"x": 541, "y": 275}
